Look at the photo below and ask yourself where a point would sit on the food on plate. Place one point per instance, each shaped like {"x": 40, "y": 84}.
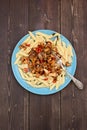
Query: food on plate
{"x": 37, "y": 60}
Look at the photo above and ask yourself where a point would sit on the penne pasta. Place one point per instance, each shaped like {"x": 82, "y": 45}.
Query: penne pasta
{"x": 49, "y": 79}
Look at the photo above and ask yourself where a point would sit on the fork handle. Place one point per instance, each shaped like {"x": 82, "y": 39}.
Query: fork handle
{"x": 78, "y": 83}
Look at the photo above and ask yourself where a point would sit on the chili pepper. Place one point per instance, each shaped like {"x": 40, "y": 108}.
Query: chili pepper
{"x": 28, "y": 45}
{"x": 41, "y": 61}
{"x": 25, "y": 70}
{"x": 38, "y": 49}
{"x": 45, "y": 78}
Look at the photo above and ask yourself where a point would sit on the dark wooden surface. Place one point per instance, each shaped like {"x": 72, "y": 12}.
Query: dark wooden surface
{"x": 20, "y": 109}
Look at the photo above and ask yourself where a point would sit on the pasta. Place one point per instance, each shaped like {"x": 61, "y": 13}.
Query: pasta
{"x": 37, "y": 60}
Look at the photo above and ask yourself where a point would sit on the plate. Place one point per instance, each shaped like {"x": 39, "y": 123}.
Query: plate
{"x": 41, "y": 91}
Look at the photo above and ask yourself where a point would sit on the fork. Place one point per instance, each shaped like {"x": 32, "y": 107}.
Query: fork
{"x": 78, "y": 83}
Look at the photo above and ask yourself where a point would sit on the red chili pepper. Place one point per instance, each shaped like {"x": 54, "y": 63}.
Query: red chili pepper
{"x": 45, "y": 78}
{"x": 27, "y": 44}
{"x": 25, "y": 70}
{"x": 38, "y": 48}
{"x": 41, "y": 61}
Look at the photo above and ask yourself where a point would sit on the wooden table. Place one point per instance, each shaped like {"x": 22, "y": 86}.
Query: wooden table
{"x": 20, "y": 109}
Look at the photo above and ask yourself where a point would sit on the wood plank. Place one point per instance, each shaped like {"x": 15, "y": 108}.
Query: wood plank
{"x": 67, "y": 95}
{"x": 18, "y": 97}
{"x": 80, "y": 44}
{"x": 73, "y": 101}
{"x": 4, "y": 120}
{"x": 44, "y": 110}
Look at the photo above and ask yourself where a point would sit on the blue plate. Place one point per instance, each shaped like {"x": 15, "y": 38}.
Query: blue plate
{"x": 41, "y": 91}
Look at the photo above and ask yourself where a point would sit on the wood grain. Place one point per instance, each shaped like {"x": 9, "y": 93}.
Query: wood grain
{"x": 20, "y": 109}
{"x": 4, "y": 120}
{"x": 18, "y": 98}
{"x": 67, "y": 95}
{"x": 80, "y": 44}
{"x": 73, "y": 110}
